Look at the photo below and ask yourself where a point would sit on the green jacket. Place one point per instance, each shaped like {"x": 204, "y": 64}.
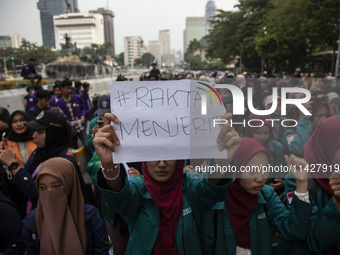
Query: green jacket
{"x": 277, "y": 159}
{"x": 269, "y": 211}
{"x": 136, "y": 206}
{"x": 277, "y": 153}
{"x": 93, "y": 122}
{"x": 92, "y": 168}
{"x": 295, "y": 139}
{"x": 324, "y": 232}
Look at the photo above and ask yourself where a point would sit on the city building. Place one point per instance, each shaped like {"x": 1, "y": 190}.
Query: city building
{"x": 210, "y": 12}
{"x": 164, "y": 41}
{"x": 83, "y": 29}
{"x": 195, "y": 29}
{"x": 16, "y": 40}
{"x": 133, "y": 48}
{"x": 49, "y": 8}
{"x": 108, "y": 16}
{"x": 154, "y": 47}
{"x": 5, "y": 41}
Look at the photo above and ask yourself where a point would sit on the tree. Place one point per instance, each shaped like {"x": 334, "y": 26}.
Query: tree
{"x": 284, "y": 33}
{"x": 195, "y": 62}
{"x": 139, "y": 62}
{"x": 120, "y": 59}
{"x": 194, "y": 46}
{"x": 148, "y": 59}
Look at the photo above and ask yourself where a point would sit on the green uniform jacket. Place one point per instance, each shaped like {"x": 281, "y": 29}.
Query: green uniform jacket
{"x": 292, "y": 224}
{"x": 294, "y": 140}
{"x": 89, "y": 143}
{"x": 324, "y": 232}
{"x": 136, "y": 206}
{"x": 92, "y": 168}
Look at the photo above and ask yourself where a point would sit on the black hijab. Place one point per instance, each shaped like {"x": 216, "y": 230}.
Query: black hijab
{"x": 55, "y": 142}
{"x": 12, "y": 136}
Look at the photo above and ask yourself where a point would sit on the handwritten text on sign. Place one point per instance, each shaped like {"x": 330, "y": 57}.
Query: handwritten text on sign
{"x": 163, "y": 121}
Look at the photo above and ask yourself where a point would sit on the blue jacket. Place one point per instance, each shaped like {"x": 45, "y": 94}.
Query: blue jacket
{"x": 32, "y": 100}
{"x": 78, "y": 106}
{"x": 52, "y": 102}
{"x": 96, "y": 234}
{"x": 35, "y": 110}
{"x": 28, "y": 70}
{"x": 136, "y": 206}
{"x": 87, "y": 104}
{"x": 11, "y": 242}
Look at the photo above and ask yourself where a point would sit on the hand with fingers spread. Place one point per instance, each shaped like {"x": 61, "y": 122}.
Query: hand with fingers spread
{"x": 299, "y": 169}
{"x": 106, "y": 140}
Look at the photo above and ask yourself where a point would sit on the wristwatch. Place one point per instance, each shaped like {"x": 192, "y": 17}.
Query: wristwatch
{"x": 13, "y": 165}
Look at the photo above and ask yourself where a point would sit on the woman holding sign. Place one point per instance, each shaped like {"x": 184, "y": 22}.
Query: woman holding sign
{"x": 163, "y": 211}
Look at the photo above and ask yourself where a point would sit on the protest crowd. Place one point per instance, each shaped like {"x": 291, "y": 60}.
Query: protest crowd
{"x": 165, "y": 206}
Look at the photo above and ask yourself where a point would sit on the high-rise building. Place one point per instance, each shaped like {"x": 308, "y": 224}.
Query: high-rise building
{"x": 5, "y": 41}
{"x": 133, "y": 49}
{"x": 210, "y": 12}
{"x": 49, "y": 8}
{"x": 16, "y": 40}
{"x": 108, "y": 16}
{"x": 164, "y": 41}
{"x": 154, "y": 47}
{"x": 83, "y": 29}
{"x": 195, "y": 29}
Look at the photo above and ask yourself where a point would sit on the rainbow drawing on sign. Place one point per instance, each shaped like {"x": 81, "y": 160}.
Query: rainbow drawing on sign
{"x": 213, "y": 90}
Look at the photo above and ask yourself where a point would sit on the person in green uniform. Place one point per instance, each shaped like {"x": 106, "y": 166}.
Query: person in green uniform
{"x": 321, "y": 150}
{"x": 242, "y": 222}
{"x": 162, "y": 210}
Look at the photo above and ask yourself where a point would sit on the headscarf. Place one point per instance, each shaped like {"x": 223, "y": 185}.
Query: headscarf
{"x": 321, "y": 148}
{"x": 331, "y": 96}
{"x": 56, "y": 141}
{"x": 12, "y": 136}
{"x": 169, "y": 200}
{"x": 60, "y": 217}
{"x": 240, "y": 203}
{"x": 251, "y": 130}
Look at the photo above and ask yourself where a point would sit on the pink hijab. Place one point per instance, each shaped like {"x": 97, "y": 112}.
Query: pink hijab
{"x": 321, "y": 148}
{"x": 169, "y": 200}
{"x": 239, "y": 202}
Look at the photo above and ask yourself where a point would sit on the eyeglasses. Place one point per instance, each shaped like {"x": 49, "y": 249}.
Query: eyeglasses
{"x": 167, "y": 162}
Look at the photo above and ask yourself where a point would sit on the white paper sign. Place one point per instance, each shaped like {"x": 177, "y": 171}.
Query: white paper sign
{"x": 163, "y": 120}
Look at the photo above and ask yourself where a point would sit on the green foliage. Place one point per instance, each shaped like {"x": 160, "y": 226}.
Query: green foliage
{"x": 216, "y": 65}
{"x": 120, "y": 59}
{"x": 195, "y": 62}
{"x": 28, "y": 50}
{"x": 146, "y": 60}
{"x": 283, "y": 32}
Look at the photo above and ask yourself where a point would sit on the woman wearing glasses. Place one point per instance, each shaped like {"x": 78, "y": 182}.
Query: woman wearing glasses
{"x": 163, "y": 210}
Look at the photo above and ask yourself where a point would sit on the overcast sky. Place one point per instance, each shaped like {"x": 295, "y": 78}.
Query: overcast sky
{"x": 132, "y": 18}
